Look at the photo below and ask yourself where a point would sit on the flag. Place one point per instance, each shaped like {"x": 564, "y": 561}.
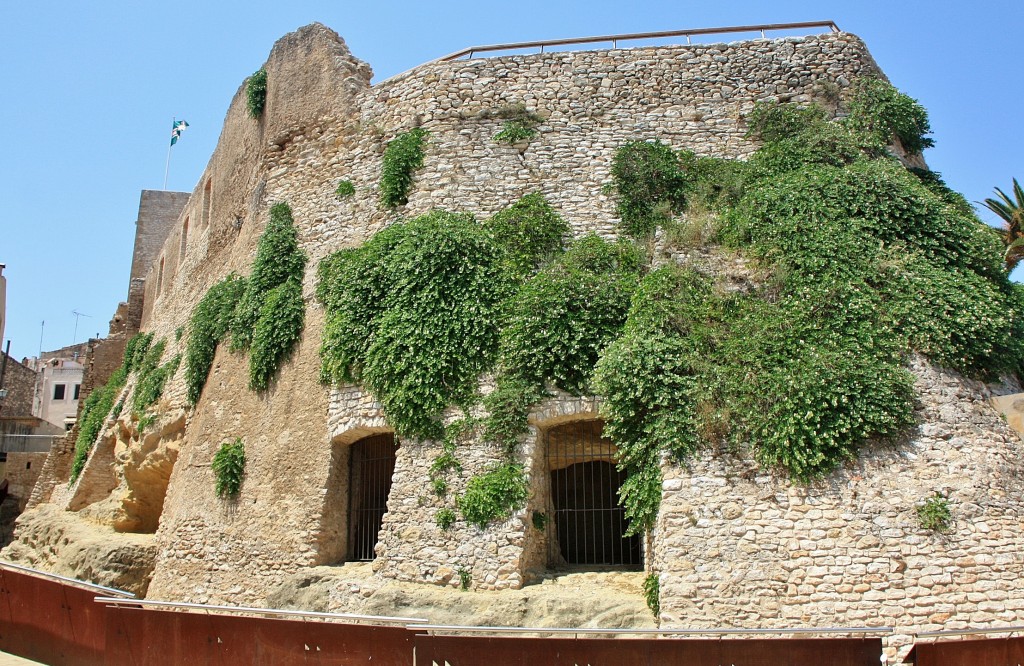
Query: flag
{"x": 176, "y": 130}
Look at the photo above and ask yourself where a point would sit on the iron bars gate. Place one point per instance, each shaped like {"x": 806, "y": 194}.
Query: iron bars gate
{"x": 588, "y": 522}
{"x": 372, "y": 466}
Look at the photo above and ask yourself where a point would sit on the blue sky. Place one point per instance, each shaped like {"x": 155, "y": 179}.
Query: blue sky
{"x": 90, "y": 89}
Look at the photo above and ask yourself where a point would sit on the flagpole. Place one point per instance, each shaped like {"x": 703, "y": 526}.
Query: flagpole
{"x": 167, "y": 167}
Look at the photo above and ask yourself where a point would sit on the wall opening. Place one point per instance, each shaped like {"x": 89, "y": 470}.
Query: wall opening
{"x": 372, "y": 466}
{"x": 207, "y": 202}
{"x": 587, "y": 522}
{"x": 184, "y": 242}
{"x": 160, "y": 278}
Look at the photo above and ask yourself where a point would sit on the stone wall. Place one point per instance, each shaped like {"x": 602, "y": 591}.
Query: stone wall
{"x": 20, "y": 382}
{"x": 21, "y": 472}
{"x": 734, "y": 546}
{"x": 739, "y": 547}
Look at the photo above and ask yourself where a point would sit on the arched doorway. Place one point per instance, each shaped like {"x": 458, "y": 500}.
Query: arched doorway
{"x": 587, "y": 521}
{"x": 371, "y": 468}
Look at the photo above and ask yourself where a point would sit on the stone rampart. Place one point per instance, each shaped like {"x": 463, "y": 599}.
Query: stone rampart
{"x": 734, "y": 546}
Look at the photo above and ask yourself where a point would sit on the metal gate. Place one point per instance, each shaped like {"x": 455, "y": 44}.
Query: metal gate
{"x": 373, "y": 464}
{"x": 587, "y": 520}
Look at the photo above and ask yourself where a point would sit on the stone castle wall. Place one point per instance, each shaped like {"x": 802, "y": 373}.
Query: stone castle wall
{"x": 733, "y": 546}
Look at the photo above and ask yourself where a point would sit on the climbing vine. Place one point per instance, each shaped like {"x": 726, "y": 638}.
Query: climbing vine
{"x": 402, "y": 157}
{"x": 863, "y": 260}
{"x": 101, "y": 400}
{"x": 880, "y": 111}
{"x": 269, "y": 315}
{"x": 228, "y": 467}
{"x": 256, "y": 92}
{"x": 210, "y": 323}
{"x": 414, "y": 315}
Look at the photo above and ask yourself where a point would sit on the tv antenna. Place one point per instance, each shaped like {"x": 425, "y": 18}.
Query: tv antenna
{"x": 77, "y": 314}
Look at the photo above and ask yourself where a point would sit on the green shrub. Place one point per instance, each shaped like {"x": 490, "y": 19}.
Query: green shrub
{"x": 494, "y": 495}
{"x": 209, "y": 324}
{"x": 465, "y": 579}
{"x": 880, "y": 111}
{"x": 515, "y": 131}
{"x": 530, "y": 231}
{"x": 229, "y": 468}
{"x": 414, "y": 315}
{"x": 100, "y": 401}
{"x": 652, "y": 593}
{"x": 403, "y": 156}
{"x": 345, "y": 189}
{"x": 270, "y": 313}
{"x": 150, "y": 386}
{"x": 256, "y": 92}
{"x": 444, "y": 518}
{"x": 934, "y": 513}
{"x": 651, "y": 180}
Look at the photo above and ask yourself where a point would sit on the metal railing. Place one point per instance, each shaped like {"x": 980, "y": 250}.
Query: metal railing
{"x": 968, "y": 632}
{"x": 28, "y": 443}
{"x": 615, "y": 39}
{"x": 247, "y": 610}
{"x": 64, "y": 579}
{"x": 470, "y": 629}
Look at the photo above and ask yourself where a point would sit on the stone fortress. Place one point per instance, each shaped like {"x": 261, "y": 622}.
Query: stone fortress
{"x": 734, "y": 545}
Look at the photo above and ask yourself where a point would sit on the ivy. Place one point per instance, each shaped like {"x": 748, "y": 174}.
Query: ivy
{"x": 530, "y": 231}
{"x": 101, "y": 400}
{"x": 403, "y": 156}
{"x": 228, "y": 467}
{"x": 256, "y": 92}
{"x": 414, "y": 315}
{"x": 209, "y": 324}
{"x": 651, "y": 180}
{"x": 345, "y": 189}
{"x": 150, "y": 386}
{"x": 880, "y": 111}
{"x": 563, "y": 317}
{"x": 494, "y": 495}
{"x": 278, "y": 329}
{"x": 652, "y": 593}
{"x": 269, "y": 314}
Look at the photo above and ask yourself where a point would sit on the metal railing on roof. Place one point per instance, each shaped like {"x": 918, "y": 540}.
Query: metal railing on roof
{"x": 721, "y": 631}
{"x": 615, "y": 39}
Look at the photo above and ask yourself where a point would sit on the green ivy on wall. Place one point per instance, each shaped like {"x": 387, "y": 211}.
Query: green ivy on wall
{"x": 228, "y": 467}
{"x": 402, "y": 157}
{"x": 101, "y": 400}
{"x": 256, "y": 92}
{"x": 269, "y": 316}
{"x": 210, "y": 323}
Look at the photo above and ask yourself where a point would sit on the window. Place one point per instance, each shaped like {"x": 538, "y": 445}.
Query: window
{"x": 58, "y": 391}
{"x": 28, "y": 465}
{"x": 184, "y": 242}
{"x": 78, "y": 390}
{"x": 160, "y": 278}
{"x": 207, "y": 202}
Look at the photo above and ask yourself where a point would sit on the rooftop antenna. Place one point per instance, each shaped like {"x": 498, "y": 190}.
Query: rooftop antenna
{"x": 74, "y": 339}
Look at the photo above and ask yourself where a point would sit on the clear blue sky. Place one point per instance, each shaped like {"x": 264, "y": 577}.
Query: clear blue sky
{"x": 89, "y": 90}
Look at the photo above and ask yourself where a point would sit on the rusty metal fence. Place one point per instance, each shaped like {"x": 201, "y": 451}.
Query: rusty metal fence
{"x": 58, "y": 621}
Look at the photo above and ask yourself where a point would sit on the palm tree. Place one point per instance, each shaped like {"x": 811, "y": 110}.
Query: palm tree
{"x": 1011, "y": 211}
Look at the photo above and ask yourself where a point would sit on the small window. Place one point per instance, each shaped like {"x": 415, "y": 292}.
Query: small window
{"x": 58, "y": 391}
{"x": 78, "y": 390}
{"x": 28, "y": 465}
{"x": 184, "y": 242}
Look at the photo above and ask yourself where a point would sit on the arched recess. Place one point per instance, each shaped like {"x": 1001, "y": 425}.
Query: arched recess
{"x": 358, "y": 485}
{"x": 585, "y": 521}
